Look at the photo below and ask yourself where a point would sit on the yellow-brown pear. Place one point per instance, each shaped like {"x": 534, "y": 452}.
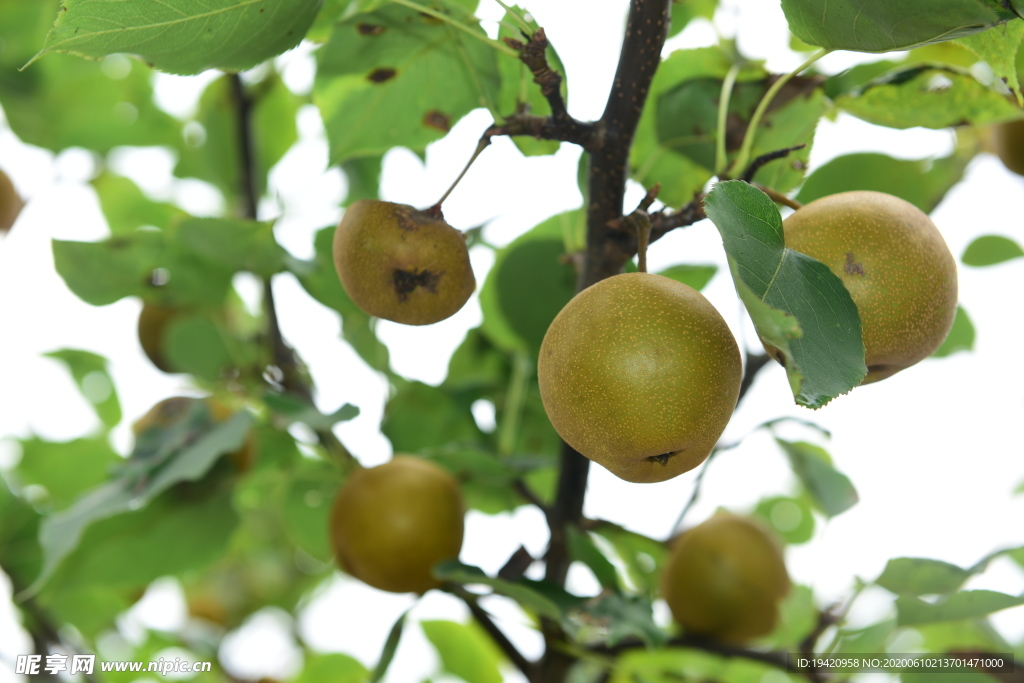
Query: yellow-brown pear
{"x": 896, "y": 266}
{"x": 392, "y": 523}
{"x": 11, "y": 203}
{"x": 153, "y": 323}
{"x": 640, "y": 374}
{"x": 1007, "y": 141}
{"x": 725, "y": 578}
{"x": 402, "y": 264}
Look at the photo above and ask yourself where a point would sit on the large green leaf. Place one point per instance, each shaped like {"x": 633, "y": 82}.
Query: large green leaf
{"x": 529, "y": 284}
{"x": 235, "y": 245}
{"x": 998, "y": 47}
{"x": 126, "y": 207}
{"x": 184, "y": 455}
{"x": 183, "y": 36}
{"x": 800, "y": 309}
{"x": 20, "y": 554}
{"x": 655, "y": 156}
{"x": 830, "y": 489}
{"x": 989, "y": 250}
{"x": 465, "y": 651}
{"x": 928, "y": 96}
{"x": 921, "y": 576}
{"x": 90, "y": 373}
{"x": 884, "y": 26}
{"x": 320, "y": 279}
{"x": 964, "y": 605}
{"x": 421, "y": 416}
{"x": 332, "y": 668}
{"x": 923, "y": 183}
{"x": 65, "y": 468}
{"x": 213, "y": 155}
{"x": 148, "y": 264}
{"x": 399, "y": 77}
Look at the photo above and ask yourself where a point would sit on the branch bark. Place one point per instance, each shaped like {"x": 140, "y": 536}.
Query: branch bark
{"x": 284, "y": 357}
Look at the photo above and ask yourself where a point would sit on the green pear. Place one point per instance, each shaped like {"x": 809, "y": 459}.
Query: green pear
{"x": 640, "y": 374}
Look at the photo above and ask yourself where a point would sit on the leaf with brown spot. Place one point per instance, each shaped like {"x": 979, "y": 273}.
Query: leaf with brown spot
{"x": 366, "y": 29}
{"x": 382, "y": 74}
{"x": 437, "y": 119}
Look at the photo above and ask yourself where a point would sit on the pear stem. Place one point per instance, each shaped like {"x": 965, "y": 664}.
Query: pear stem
{"x": 640, "y": 222}
{"x": 435, "y": 210}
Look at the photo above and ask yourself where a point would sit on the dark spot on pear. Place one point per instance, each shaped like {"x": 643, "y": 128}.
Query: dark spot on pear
{"x": 661, "y": 459}
{"x": 381, "y": 75}
{"x": 852, "y": 267}
{"x": 370, "y": 29}
{"x": 405, "y": 282}
{"x": 437, "y": 119}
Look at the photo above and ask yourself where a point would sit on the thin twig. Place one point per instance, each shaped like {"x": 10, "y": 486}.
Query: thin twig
{"x": 283, "y": 355}
{"x": 754, "y": 365}
{"x": 778, "y": 197}
{"x": 496, "y": 634}
{"x": 756, "y": 164}
{"x": 533, "y": 54}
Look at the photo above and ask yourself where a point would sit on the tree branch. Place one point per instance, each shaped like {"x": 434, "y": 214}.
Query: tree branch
{"x": 776, "y": 659}
{"x": 756, "y": 164}
{"x": 492, "y": 629}
{"x": 293, "y": 378}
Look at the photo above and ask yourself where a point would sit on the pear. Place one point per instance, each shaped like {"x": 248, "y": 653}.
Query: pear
{"x": 401, "y": 264}
{"x": 640, "y": 374}
{"x": 11, "y": 203}
{"x": 896, "y": 266}
{"x": 392, "y": 523}
{"x": 152, "y": 328}
{"x": 1007, "y": 141}
{"x": 725, "y": 578}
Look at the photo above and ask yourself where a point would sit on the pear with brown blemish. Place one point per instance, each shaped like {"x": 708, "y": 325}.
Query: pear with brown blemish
{"x": 896, "y": 266}
{"x": 640, "y": 374}
{"x": 402, "y": 264}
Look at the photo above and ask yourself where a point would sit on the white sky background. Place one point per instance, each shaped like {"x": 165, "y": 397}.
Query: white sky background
{"x": 934, "y": 452}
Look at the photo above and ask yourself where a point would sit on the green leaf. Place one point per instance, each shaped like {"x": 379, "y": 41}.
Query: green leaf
{"x": 883, "y": 26}
{"x": 363, "y": 176}
{"x": 65, "y": 469}
{"x": 61, "y": 533}
{"x": 332, "y": 668}
{"x": 465, "y": 651}
{"x": 126, "y": 207}
{"x": 626, "y": 616}
{"x": 320, "y": 280}
{"x": 685, "y": 11}
{"x": 798, "y": 615}
{"x": 988, "y": 250}
{"x": 911, "y": 611}
{"x": 529, "y": 284}
{"x": 831, "y": 490}
{"x": 295, "y": 409}
{"x": 211, "y": 153}
{"x": 94, "y": 381}
{"x": 799, "y": 307}
{"x": 791, "y": 518}
{"x": 518, "y": 89}
{"x": 235, "y": 245}
{"x": 68, "y": 102}
{"x": 582, "y": 548}
{"x": 998, "y": 48}
{"x": 184, "y": 37}
{"x": 310, "y": 490}
{"x": 928, "y": 96}
{"x": 399, "y": 77}
{"x": 923, "y": 182}
{"x": 101, "y": 273}
{"x": 20, "y": 554}
{"x": 527, "y": 596}
{"x": 655, "y": 156}
{"x": 421, "y": 416}
{"x": 641, "y": 556}
{"x": 868, "y": 640}
{"x": 196, "y": 344}
{"x": 695, "y": 276}
{"x": 960, "y": 337}
{"x": 390, "y": 647}
{"x": 920, "y": 576}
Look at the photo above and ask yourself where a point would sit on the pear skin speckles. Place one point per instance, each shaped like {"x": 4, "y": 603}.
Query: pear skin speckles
{"x": 640, "y": 374}
{"x": 402, "y": 264}
{"x": 896, "y": 266}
